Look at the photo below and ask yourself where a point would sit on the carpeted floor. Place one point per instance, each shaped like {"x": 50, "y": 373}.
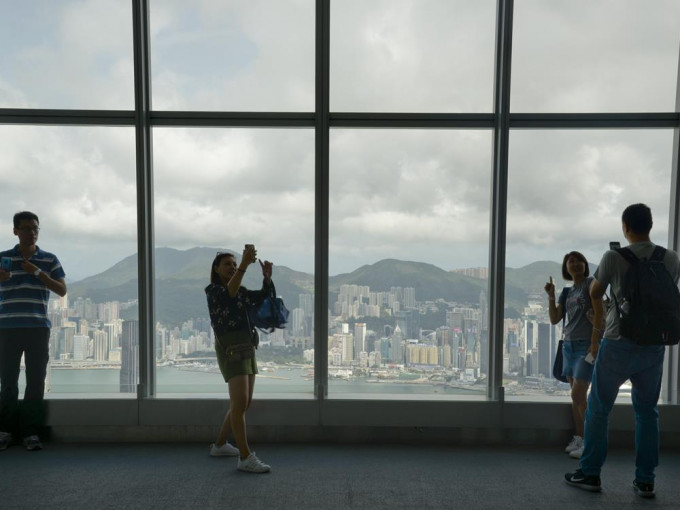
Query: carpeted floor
{"x": 168, "y": 476}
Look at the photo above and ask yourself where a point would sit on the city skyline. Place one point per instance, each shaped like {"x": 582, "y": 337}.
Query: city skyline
{"x": 454, "y": 352}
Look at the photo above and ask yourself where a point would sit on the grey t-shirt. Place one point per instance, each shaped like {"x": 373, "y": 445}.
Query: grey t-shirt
{"x": 577, "y": 326}
{"x": 612, "y": 270}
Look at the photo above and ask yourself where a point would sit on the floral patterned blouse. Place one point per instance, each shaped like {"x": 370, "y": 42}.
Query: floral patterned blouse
{"x": 229, "y": 313}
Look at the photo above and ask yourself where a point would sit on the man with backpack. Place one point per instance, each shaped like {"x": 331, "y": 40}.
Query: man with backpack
{"x": 643, "y": 318}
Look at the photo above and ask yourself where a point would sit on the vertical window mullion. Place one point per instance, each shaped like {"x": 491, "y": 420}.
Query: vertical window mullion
{"x": 321, "y": 199}
{"x": 499, "y": 194}
{"x": 145, "y": 237}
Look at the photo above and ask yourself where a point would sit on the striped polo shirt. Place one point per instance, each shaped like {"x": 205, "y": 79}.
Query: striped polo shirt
{"x": 23, "y": 298}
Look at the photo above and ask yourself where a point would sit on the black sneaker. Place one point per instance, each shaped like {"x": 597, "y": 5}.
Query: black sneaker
{"x": 644, "y": 490}
{"x": 583, "y": 481}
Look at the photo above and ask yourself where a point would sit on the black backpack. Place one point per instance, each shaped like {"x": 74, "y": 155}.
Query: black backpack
{"x": 649, "y": 305}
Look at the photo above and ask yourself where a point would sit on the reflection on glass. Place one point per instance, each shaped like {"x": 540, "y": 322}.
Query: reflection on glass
{"x": 216, "y": 190}
{"x": 409, "y": 228}
{"x": 81, "y": 183}
{"x": 566, "y": 191}
{"x": 254, "y": 55}
{"x": 595, "y": 56}
{"x": 66, "y": 55}
{"x": 405, "y": 56}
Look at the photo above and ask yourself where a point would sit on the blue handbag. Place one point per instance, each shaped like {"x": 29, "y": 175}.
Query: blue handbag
{"x": 272, "y": 314}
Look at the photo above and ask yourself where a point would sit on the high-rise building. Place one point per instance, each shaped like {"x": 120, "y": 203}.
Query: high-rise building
{"x": 544, "y": 353}
{"x": 396, "y": 348}
{"x": 129, "y": 362}
{"x": 359, "y": 338}
{"x": 81, "y": 344}
{"x": 347, "y": 348}
{"x": 409, "y": 297}
{"x": 101, "y": 345}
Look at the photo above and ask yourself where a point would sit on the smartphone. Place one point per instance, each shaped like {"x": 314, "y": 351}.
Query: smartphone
{"x": 7, "y": 263}
{"x": 589, "y": 358}
{"x": 250, "y": 246}
{"x": 613, "y": 245}
{"x": 552, "y": 281}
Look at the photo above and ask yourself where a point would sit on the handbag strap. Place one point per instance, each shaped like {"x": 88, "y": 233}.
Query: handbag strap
{"x": 250, "y": 328}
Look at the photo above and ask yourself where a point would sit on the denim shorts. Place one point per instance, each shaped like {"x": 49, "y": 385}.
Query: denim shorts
{"x": 574, "y": 362}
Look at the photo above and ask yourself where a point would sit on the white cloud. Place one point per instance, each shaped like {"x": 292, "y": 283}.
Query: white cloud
{"x": 410, "y": 194}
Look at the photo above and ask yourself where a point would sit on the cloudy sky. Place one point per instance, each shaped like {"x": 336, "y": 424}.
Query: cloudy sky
{"x": 407, "y": 194}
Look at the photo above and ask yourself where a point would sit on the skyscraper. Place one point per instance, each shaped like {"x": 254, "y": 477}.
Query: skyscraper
{"x": 359, "y": 339}
{"x": 544, "y": 351}
{"x": 129, "y": 359}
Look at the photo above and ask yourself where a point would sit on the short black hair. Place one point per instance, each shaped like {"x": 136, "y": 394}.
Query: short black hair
{"x": 578, "y": 255}
{"x": 25, "y": 215}
{"x": 638, "y": 217}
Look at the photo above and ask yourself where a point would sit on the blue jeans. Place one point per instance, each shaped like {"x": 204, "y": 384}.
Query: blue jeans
{"x": 617, "y": 361}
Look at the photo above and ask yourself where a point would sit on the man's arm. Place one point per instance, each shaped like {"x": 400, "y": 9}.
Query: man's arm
{"x": 596, "y": 294}
{"x": 57, "y": 286}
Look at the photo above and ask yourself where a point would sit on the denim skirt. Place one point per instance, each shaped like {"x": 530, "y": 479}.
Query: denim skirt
{"x": 574, "y": 362}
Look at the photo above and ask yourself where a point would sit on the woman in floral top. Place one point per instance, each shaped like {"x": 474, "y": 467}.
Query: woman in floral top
{"x": 228, "y": 302}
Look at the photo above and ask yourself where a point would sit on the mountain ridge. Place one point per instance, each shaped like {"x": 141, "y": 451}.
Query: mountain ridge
{"x": 182, "y": 275}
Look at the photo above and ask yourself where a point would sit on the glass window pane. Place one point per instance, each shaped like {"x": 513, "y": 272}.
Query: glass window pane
{"x": 595, "y": 56}
{"x": 81, "y": 183}
{"x": 409, "y": 238}
{"x": 216, "y": 190}
{"x": 567, "y": 191}
{"x": 66, "y": 54}
{"x": 412, "y": 56}
{"x": 234, "y": 56}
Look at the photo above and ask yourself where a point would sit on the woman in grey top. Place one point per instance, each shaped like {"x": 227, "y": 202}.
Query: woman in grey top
{"x": 574, "y": 305}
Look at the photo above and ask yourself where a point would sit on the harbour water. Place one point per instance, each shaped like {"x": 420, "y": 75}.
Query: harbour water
{"x": 270, "y": 381}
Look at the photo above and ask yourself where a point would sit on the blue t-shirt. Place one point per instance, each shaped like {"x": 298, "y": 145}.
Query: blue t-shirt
{"x": 24, "y": 298}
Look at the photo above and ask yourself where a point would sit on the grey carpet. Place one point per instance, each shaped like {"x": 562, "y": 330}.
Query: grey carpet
{"x": 167, "y": 476}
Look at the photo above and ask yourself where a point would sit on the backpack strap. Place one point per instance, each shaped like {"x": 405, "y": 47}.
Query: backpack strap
{"x": 627, "y": 255}
{"x": 632, "y": 259}
{"x": 658, "y": 254}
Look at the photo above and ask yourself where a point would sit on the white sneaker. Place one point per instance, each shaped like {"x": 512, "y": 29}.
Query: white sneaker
{"x": 576, "y": 454}
{"x": 252, "y": 465}
{"x": 575, "y": 443}
{"x": 226, "y": 450}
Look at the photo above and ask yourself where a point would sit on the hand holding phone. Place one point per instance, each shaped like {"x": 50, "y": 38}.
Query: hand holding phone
{"x": 589, "y": 358}
{"x": 250, "y": 253}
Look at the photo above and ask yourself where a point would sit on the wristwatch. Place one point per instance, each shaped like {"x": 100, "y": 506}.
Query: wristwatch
{"x": 37, "y": 272}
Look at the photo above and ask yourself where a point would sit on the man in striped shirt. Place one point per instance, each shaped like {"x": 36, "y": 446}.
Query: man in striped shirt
{"x": 27, "y": 276}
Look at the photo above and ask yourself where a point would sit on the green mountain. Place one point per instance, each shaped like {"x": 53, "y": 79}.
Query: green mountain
{"x": 181, "y": 276}
{"x": 430, "y": 282}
